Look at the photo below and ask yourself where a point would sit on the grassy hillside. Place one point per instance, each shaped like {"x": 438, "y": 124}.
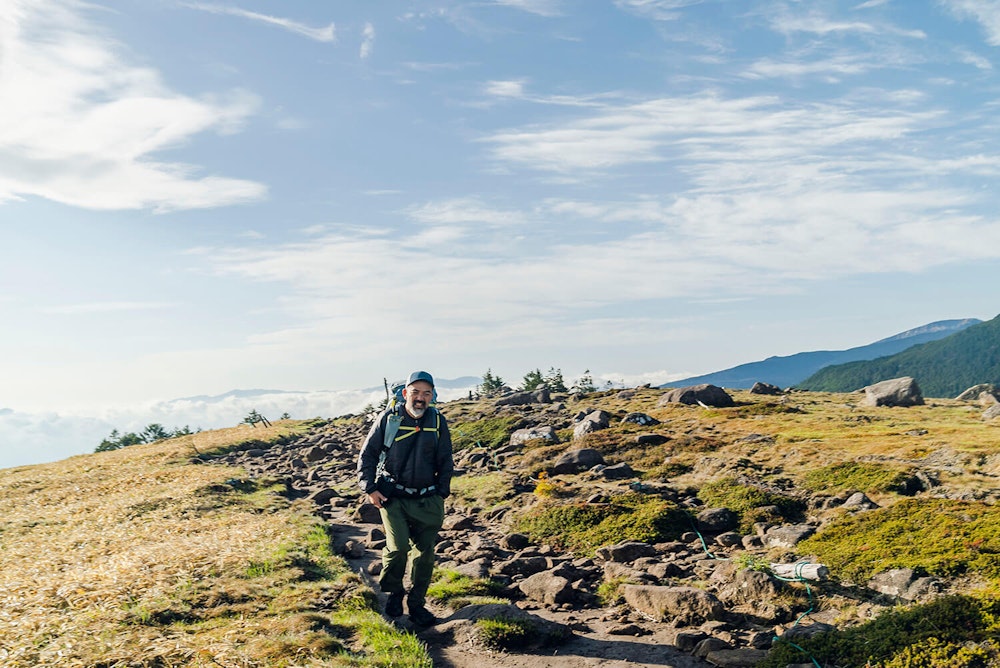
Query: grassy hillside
{"x": 138, "y": 557}
{"x": 942, "y": 368}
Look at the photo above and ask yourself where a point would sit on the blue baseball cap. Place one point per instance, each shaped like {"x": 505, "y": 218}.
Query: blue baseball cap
{"x": 420, "y": 375}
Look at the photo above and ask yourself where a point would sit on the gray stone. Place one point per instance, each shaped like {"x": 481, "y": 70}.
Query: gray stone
{"x": 765, "y": 388}
{"x": 736, "y": 658}
{"x": 574, "y": 461}
{"x": 895, "y": 392}
{"x": 904, "y": 583}
{"x": 686, "y": 605}
{"x": 717, "y": 519}
{"x": 626, "y": 551}
{"x": 787, "y": 535}
{"x": 620, "y": 471}
{"x": 540, "y": 433}
{"x": 709, "y": 395}
{"x": 547, "y": 588}
{"x": 859, "y": 501}
{"x": 640, "y": 419}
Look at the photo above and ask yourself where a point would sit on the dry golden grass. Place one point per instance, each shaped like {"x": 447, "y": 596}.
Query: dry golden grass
{"x": 137, "y": 557}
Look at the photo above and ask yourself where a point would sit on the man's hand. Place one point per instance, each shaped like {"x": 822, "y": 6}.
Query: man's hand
{"x": 377, "y": 498}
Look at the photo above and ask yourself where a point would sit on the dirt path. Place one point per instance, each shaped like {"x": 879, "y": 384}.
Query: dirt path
{"x": 591, "y": 646}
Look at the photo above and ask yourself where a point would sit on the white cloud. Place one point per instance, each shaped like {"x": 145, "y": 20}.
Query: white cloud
{"x": 514, "y": 89}
{"x": 105, "y": 307}
{"x": 324, "y": 34}
{"x": 540, "y": 7}
{"x": 660, "y": 10}
{"x": 368, "y": 41}
{"x": 985, "y": 12}
{"x": 81, "y": 126}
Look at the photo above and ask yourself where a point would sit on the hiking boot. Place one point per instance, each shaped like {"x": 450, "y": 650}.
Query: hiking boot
{"x": 394, "y": 605}
{"x": 421, "y": 616}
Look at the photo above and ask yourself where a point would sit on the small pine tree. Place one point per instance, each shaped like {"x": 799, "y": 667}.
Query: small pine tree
{"x": 491, "y": 385}
{"x": 584, "y": 384}
{"x": 554, "y": 380}
{"x": 532, "y": 380}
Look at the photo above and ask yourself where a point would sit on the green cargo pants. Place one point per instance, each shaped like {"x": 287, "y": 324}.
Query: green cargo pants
{"x": 411, "y": 526}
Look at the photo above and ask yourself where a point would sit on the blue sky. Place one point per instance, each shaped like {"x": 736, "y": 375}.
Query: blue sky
{"x": 197, "y": 197}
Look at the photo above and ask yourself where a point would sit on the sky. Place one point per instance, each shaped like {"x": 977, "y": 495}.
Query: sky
{"x": 200, "y": 197}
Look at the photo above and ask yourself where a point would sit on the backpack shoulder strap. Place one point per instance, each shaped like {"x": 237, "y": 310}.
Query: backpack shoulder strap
{"x": 391, "y": 429}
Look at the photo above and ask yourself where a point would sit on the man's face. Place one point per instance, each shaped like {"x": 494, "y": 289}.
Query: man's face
{"x": 418, "y": 397}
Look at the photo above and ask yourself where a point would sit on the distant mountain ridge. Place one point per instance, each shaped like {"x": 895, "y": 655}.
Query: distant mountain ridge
{"x": 942, "y": 368}
{"x": 791, "y": 370}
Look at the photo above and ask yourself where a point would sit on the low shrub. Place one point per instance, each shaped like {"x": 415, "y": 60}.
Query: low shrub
{"x": 583, "y": 527}
{"x": 486, "y": 433}
{"x": 924, "y": 636}
{"x": 751, "y": 503}
{"x": 939, "y": 537}
{"x": 870, "y": 477}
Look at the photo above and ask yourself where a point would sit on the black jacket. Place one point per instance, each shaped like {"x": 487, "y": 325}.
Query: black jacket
{"x": 417, "y": 461}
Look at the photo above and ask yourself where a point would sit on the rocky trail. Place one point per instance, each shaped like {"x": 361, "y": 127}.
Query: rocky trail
{"x": 685, "y": 604}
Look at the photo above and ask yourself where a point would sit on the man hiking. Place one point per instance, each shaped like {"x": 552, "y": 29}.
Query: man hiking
{"x": 405, "y": 467}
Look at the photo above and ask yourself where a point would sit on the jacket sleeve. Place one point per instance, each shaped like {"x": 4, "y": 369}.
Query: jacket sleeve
{"x": 368, "y": 458}
{"x": 445, "y": 463}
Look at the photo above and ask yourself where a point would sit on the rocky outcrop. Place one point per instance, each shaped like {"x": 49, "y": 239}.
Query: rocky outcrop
{"x": 709, "y": 395}
{"x": 896, "y": 392}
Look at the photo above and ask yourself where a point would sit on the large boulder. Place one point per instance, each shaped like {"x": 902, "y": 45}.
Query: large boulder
{"x": 986, "y": 393}
{"x": 765, "y": 388}
{"x": 686, "y": 605}
{"x": 574, "y": 461}
{"x": 895, "y": 392}
{"x": 540, "y": 433}
{"x": 709, "y": 395}
{"x": 547, "y": 588}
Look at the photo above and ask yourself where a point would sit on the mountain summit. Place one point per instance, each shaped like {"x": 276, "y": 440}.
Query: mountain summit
{"x": 943, "y": 367}
{"x": 793, "y": 369}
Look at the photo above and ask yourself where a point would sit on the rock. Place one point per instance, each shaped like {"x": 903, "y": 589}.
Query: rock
{"x": 765, "y": 388}
{"x": 541, "y": 433}
{"x": 515, "y": 541}
{"x": 640, "y": 419}
{"x": 314, "y": 454}
{"x": 685, "y": 605}
{"x": 729, "y": 539}
{"x": 787, "y": 535}
{"x": 477, "y": 568}
{"x": 321, "y": 497}
{"x": 516, "y": 399}
{"x": 736, "y": 658}
{"x": 620, "y": 471}
{"x": 992, "y": 412}
{"x": 547, "y": 588}
{"x": 574, "y": 461}
{"x": 709, "y": 645}
{"x": 626, "y": 552}
{"x": 367, "y": 514}
{"x": 710, "y": 395}
{"x": 896, "y": 392}
{"x": 651, "y": 439}
{"x": 717, "y": 519}
{"x": 686, "y": 641}
{"x": 858, "y": 501}
{"x": 904, "y": 583}
{"x": 976, "y": 392}
{"x": 544, "y": 633}
{"x": 523, "y": 565}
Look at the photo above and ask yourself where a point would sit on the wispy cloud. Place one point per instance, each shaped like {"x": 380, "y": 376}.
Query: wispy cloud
{"x": 105, "y": 307}
{"x": 984, "y": 12}
{"x": 81, "y": 126}
{"x": 324, "y": 34}
{"x": 659, "y": 10}
{"x": 367, "y": 41}
{"x": 539, "y": 7}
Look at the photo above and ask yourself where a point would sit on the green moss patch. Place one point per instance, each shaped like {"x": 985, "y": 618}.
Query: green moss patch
{"x": 583, "y": 527}
{"x": 487, "y": 433}
{"x": 935, "y": 536}
{"x": 751, "y": 503}
{"x": 867, "y": 477}
{"x": 935, "y": 635}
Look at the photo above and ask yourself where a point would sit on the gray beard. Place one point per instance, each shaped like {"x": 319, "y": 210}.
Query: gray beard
{"x": 416, "y": 412}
